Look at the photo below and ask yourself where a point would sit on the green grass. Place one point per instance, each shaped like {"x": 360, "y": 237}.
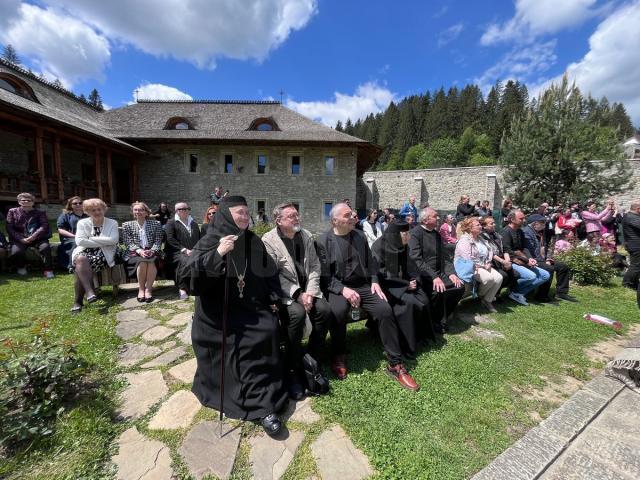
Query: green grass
{"x": 467, "y": 412}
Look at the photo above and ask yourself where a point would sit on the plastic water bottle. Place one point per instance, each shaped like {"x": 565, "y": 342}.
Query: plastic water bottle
{"x": 355, "y": 314}
{"x": 595, "y": 318}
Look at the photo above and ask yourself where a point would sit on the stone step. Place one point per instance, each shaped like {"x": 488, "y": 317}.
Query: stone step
{"x": 141, "y": 458}
{"x": 177, "y": 412}
{"x": 271, "y": 457}
{"x": 205, "y": 453}
{"x": 338, "y": 458}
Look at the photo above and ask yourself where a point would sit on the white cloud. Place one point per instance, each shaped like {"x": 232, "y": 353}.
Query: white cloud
{"x": 369, "y": 98}
{"x": 9, "y": 10}
{"x": 611, "y": 67}
{"x": 523, "y": 64}
{"x": 158, "y": 91}
{"x": 537, "y": 17}
{"x": 450, "y": 34}
{"x": 199, "y": 31}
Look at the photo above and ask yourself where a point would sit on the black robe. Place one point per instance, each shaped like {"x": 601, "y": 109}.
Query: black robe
{"x": 254, "y": 369}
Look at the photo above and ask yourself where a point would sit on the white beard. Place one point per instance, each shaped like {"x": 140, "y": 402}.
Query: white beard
{"x": 297, "y": 228}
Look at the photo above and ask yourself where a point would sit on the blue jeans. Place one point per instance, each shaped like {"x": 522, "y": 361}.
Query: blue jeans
{"x": 529, "y": 278}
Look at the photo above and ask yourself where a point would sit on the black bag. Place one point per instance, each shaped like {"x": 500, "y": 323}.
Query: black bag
{"x": 317, "y": 383}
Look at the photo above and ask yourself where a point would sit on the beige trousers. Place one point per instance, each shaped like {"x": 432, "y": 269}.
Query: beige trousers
{"x": 489, "y": 282}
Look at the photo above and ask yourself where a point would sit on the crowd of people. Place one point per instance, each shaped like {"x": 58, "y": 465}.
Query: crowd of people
{"x": 406, "y": 270}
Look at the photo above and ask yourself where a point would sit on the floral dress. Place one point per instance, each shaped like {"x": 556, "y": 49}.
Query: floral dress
{"x": 95, "y": 256}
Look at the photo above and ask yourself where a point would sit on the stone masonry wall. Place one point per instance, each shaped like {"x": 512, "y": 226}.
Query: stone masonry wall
{"x": 164, "y": 176}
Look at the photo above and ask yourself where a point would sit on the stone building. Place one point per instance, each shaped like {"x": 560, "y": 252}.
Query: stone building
{"x": 55, "y": 145}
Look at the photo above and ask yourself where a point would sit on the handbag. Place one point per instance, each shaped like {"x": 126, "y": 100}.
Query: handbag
{"x": 317, "y": 383}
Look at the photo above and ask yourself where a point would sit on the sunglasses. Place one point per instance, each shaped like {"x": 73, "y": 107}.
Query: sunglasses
{"x": 26, "y": 200}
{"x": 76, "y": 203}
{"x": 183, "y": 209}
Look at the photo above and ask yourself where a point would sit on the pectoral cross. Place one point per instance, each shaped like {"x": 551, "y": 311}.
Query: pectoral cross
{"x": 241, "y": 285}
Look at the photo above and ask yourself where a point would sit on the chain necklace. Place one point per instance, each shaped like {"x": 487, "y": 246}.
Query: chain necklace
{"x": 241, "y": 283}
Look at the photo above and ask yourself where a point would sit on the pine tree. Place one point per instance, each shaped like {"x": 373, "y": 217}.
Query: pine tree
{"x": 555, "y": 154}
{"x": 82, "y": 97}
{"x": 490, "y": 122}
{"x": 436, "y": 124}
{"x": 387, "y": 132}
{"x": 339, "y": 127}
{"x": 471, "y": 107}
{"x": 348, "y": 127}
{"x": 57, "y": 83}
{"x": 95, "y": 100}
{"x": 405, "y": 136}
{"x": 619, "y": 120}
{"x": 467, "y": 144}
{"x": 10, "y": 55}
{"x": 413, "y": 157}
{"x": 453, "y": 123}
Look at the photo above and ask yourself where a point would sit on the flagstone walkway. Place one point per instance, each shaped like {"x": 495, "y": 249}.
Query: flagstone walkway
{"x": 168, "y": 434}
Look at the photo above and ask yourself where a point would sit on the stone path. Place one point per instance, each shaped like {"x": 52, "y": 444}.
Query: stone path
{"x": 157, "y": 363}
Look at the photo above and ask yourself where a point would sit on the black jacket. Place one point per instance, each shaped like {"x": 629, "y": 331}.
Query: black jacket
{"x": 333, "y": 265}
{"x": 513, "y": 240}
{"x": 631, "y": 231}
{"x": 464, "y": 210}
{"x": 178, "y": 238}
{"x": 428, "y": 255}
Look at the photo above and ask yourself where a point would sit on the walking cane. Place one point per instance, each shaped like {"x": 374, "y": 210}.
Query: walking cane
{"x": 225, "y": 316}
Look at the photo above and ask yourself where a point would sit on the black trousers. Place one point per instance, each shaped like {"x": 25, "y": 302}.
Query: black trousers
{"x": 292, "y": 320}
{"x": 441, "y": 304}
{"x": 411, "y": 312}
{"x": 563, "y": 274}
{"x": 379, "y": 309}
{"x": 630, "y": 279}
{"x": 19, "y": 251}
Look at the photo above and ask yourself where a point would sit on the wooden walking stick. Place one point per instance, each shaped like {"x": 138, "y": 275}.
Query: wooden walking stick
{"x": 225, "y": 317}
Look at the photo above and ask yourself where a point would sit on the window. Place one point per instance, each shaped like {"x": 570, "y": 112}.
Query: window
{"x": 326, "y": 210}
{"x": 262, "y": 164}
{"x": 178, "y": 123}
{"x": 181, "y": 126}
{"x": 296, "y": 165}
{"x": 261, "y": 205}
{"x": 16, "y": 86}
{"x": 228, "y": 163}
{"x": 88, "y": 172}
{"x": 264, "y": 124}
{"x": 329, "y": 164}
{"x": 193, "y": 163}
{"x": 265, "y": 127}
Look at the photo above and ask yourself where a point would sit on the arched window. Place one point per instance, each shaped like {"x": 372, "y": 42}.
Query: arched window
{"x": 17, "y": 86}
{"x": 264, "y": 124}
{"x": 178, "y": 123}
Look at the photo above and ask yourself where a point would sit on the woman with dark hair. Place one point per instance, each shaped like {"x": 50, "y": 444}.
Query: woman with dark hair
{"x": 507, "y": 206}
{"x": 162, "y": 214}
{"x": 465, "y": 209}
{"x": 370, "y": 227}
{"x": 67, "y": 223}
{"x": 593, "y": 221}
{"x": 501, "y": 259}
{"x": 232, "y": 257}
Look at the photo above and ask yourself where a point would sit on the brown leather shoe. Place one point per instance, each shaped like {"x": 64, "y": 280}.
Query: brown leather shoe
{"x": 399, "y": 373}
{"x": 339, "y": 366}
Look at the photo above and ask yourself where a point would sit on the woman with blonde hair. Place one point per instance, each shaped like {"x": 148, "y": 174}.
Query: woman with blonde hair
{"x": 209, "y": 216}
{"x": 96, "y": 242}
{"x": 472, "y": 247}
{"x": 143, "y": 239}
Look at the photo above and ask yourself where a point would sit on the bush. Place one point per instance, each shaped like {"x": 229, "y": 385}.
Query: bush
{"x": 261, "y": 228}
{"x": 36, "y": 379}
{"x": 587, "y": 268}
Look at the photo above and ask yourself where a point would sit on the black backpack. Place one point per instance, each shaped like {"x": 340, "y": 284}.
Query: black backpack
{"x": 317, "y": 383}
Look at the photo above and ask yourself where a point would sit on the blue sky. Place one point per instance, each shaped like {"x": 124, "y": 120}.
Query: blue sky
{"x": 333, "y": 59}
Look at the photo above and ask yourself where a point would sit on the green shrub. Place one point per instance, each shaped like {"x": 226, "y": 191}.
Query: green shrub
{"x": 36, "y": 379}
{"x": 261, "y": 228}
{"x": 587, "y": 268}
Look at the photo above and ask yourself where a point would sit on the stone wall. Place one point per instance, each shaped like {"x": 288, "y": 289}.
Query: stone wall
{"x": 164, "y": 177}
{"x": 441, "y": 188}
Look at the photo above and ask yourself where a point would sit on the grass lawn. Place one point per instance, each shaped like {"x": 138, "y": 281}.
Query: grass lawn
{"x": 467, "y": 412}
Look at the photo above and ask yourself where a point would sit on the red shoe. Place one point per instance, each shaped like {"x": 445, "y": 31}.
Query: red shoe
{"x": 339, "y": 366}
{"x": 399, "y": 373}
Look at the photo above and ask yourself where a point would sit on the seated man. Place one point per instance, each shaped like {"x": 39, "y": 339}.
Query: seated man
{"x": 534, "y": 239}
{"x": 28, "y": 227}
{"x": 293, "y": 250}
{"x": 530, "y": 275}
{"x": 435, "y": 269}
{"x": 182, "y": 234}
{"x": 349, "y": 280}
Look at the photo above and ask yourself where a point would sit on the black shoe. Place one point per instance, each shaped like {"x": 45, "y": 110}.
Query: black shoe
{"x": 296, "y": 391}
{"x": 76, "y": 309}
{"x": 141, "y": 299}
{"x": 148, "y": 299}
{"x": 566, "y": 297}
{"x": 271, "y": 424}
{"x": 92, "y": 298}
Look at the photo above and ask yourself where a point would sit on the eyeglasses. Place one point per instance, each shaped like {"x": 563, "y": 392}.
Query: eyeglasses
{"x": 183, "y": 209}
{"x": 76, "y": 203}
{"x": 28, "y": 200}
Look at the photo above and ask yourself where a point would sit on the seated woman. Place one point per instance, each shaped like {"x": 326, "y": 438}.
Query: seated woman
{"x": 472, "y": 247}
{"x": 143, "y": 239}
{"x": 66, "y": 223}
{"x": 501, "y": 259}
{"x": 96, "y": 241}
{"x": 370, "y": 227}
{"x": 231, "y": 258}
{"x": 28, "y": 227}
{"x": 182, "y": 234}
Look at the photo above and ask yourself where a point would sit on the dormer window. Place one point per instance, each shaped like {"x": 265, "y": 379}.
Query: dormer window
{"x": 16, "y": 86}
{"x": 178, "y": 123}
{"x": 264, "y": 124}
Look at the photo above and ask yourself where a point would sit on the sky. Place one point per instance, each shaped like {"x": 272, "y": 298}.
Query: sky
{"x": 328, "y": 59}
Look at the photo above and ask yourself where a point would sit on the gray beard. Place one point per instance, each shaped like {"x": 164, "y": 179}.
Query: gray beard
{"x": 297, "y": 228}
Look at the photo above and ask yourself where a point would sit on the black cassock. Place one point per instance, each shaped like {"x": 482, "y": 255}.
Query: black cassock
{"x": 253, "y": 384}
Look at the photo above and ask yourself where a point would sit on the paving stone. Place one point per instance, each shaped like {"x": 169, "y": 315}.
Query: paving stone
{"x": 166, "y": 358}
{"x": 131, "y": 302}
{"x": 301, "y": 412}
{"x": 574, "y": 414}
{"x": 132, "y": 328}
{"x": 180, "y": 319}
{"x": 185, "y": 335}
{"x": 177, "y": 412}
{"x": 605, "y": 386}
{"x": 141, "y": 458}
{"x": 205, "y": 453}
{"x": 485, "y": 334}
{"x": 185, "y": 371}
{"x": 157, "y": 333}
{"x": 338, "y": 458}
{"x": 475, "y": 318}
{"x": 144, "y": 390}
{"x": 132, "y": 353}
{"x": 168, "y": 345}
{"x": 271, "y": 457}
{"x": 131, "y": 315}
{"x": 164, "y": 312}
{"x": 621, "y": 418}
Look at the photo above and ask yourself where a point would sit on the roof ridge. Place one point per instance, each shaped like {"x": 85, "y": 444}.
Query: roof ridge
{"x": 243, "y": 102}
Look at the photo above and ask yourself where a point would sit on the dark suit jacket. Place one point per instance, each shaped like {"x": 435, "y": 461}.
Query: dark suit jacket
{"x": 423, "y": 252}
{"x": 631, "y": 231}
{"x": 178, "y": 238}
{"x": 333, "y": 265}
